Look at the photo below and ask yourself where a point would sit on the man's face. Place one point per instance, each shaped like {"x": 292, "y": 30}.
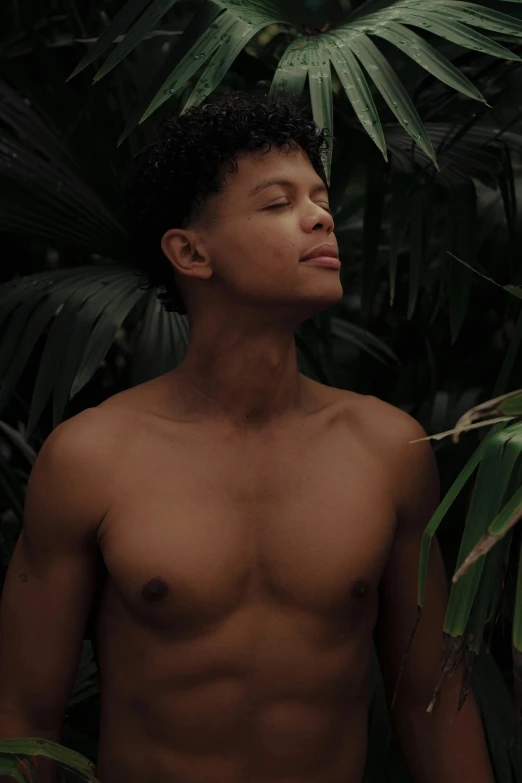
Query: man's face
{"x": 273, "y": 211}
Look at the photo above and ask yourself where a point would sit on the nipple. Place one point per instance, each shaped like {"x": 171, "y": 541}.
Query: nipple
{"x": 154, "y": 590}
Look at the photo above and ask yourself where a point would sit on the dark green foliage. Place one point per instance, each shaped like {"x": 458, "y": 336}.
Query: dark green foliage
{"x": 415, "y": 327}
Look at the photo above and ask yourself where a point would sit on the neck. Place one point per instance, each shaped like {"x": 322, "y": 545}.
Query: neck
{"x": 240, "y": 375}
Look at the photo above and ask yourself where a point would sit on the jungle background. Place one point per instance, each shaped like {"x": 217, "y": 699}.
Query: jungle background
{"x": 416, "y": 327}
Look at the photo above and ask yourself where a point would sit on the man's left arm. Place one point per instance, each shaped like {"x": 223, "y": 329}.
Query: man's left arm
{"x": 435, "y": 749}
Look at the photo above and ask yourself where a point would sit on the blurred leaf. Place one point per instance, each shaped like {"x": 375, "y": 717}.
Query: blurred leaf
{"x": 19, "y": 441}
{"x": 517, "y": 635}
{"x": 498, "y": 716}
{"x": 125, "y": 17}
{"x": 509, "y": 359}
{"x": 472, "y": 154}
{"x": 161, "y": 342}
{"x": 515, "y": 290}
{"x": 45, "y": 194}
{"x": 9, "y": 766}
{"x": 156, "y": 10}
{"x": 363, "y": 339}
{"x": 399, "y": 218}
{"x": 35, "y": 746}
{"x": 373, "y": 208}
{"x": 95, "y": 300}
{"x": 462, "y": 216}
{"x": 203, "y": 18}
{"x": 417, "y": 240}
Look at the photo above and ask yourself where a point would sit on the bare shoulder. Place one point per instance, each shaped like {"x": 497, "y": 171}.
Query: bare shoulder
{"x": 390, "y": 426}
{"x": 145, "y": 398}
{"x": 399, "y": 444}
{"x": 86, "y": 445}
{"x": 92, "y": 433}
{"x": 378, "y": 422}
{"x": 69, "y": 487}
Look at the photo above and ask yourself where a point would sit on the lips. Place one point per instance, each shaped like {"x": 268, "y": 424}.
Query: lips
{"x": 322, "y": 251}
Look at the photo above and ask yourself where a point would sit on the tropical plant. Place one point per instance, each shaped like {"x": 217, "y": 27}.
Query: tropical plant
{"x": 75, "y": 322}
{"x": 223, "y": 27}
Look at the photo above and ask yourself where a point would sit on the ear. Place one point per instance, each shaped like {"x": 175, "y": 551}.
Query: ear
{"x": 186, "y": 252}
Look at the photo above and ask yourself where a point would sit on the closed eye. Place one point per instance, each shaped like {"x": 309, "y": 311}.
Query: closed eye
{"x": 278, "y": 206}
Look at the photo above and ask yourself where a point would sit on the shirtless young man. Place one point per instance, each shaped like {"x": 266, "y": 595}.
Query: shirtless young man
{"x": 256, "y": 527}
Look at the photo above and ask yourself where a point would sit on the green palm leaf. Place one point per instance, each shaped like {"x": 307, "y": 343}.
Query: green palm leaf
{"x": 238, "y": 36}
{"x": 259, "y": 11}
{"x": 494, "y": 474}
{"x": 88, "y": 305}
{"x": 119, "y": 24}
{"x": 478, "y": 16}
{"x": 160, "y": 343}
{"x": 156, "y": 10}
{"x": 391, "y": 89}
{"x": 517, "y": 636}
{"x": 34, "y": 746}
{"x": 45, "y": 193}
{"x": 224, "y": 39}
{"x": 494, "y": 509}
{"x": 81, "y": 309}
{"x": 292, "y": 70}
{"x": 428, "y": 58}
{"x": 321, "y": 94}
{"x": 435, "y": 22}
{"x": 9, "y": 765}
{"x": 202, "y": 19}
{"x": 196, "y": 56}
{"x": 359, "y": 94}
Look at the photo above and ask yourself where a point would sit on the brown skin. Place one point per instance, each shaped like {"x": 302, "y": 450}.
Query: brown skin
{"x": 256, "y": 528}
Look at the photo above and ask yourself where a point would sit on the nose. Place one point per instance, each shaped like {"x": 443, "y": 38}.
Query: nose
{"x": 318, "y": 219}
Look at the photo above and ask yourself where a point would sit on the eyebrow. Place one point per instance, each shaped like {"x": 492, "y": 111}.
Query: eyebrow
{"x": 278, "y": 181}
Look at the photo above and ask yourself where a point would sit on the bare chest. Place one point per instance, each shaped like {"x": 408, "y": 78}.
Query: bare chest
{"x": 201, "y": 527}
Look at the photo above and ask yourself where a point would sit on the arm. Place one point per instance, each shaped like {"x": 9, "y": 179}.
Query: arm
{"x": 50, "y": 583}
{"x": 435, "y": 750}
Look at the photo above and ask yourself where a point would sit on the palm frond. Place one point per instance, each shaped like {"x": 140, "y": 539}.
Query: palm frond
{"x": 497, "y": 459}
{"x": 321, "y": 96}
{"x": 363, "y": 340}
{"x": 473, "y": 153}
{"x": 27, "y": 748}
{"x": 203, "y": 18}
{"x": 44, "y": 192}
{"x": 87, "y": 305}
{"x": 160, "y": 342}
{"x": 237, "y": 37}
{"x": 347, "y": 47}
{"x": 121, "y": 22}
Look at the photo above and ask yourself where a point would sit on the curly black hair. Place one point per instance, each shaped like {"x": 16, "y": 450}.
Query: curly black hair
{"x": 167, "y": 184}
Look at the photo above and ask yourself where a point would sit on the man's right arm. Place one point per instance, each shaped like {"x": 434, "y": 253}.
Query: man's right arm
{"x": 50, "y": 581}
